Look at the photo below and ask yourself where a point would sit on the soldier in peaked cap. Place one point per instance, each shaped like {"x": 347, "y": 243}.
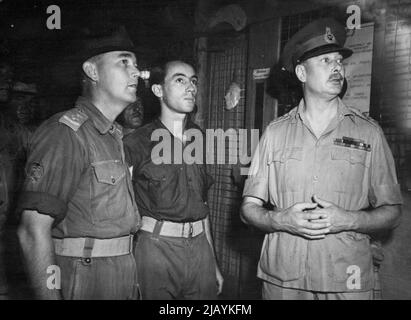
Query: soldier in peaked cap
{"x": 329, "y": 172}
{"x": 78, "y": 210}
{"x": 319, "y": 37}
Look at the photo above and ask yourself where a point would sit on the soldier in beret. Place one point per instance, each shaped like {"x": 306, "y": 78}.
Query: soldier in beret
{"x": 78, "y": 209}
{"x": 329, "y": 172}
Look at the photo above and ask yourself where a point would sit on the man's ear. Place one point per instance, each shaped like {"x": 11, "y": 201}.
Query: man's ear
{"x": 90, "y": 70}
{"x": 300, "y": 72}
{"x": 157, "y": 90}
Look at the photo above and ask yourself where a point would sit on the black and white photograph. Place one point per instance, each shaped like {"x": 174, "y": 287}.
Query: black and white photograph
{"x": 219, "y": 151}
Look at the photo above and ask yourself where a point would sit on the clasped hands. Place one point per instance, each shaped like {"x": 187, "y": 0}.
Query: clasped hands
{"x": 315, "y": 220}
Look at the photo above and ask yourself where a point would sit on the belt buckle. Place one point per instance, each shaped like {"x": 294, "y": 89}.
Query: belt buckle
{"x": 190, "y": 231}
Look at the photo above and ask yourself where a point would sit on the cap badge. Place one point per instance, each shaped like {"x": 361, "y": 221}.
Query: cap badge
{"x": 328, "y": 36}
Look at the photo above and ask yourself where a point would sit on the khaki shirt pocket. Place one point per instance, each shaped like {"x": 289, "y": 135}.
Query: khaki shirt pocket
{"x": 353, "y": 156}
{"x": 349, "y": 168}
{"x": 108, "y": 190}
{"x": 163, "y": 185}
{"x": 289, "y": 168}
{"x": 109, "y": 172}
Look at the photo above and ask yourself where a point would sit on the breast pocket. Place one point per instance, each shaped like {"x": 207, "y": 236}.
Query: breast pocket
{"x": 349, "y": 167}
{"x": 289, "y": 168}
{"x": 109, "y": 172}
{"x": 163, "y": 184}
{"x": 109, "y": 192}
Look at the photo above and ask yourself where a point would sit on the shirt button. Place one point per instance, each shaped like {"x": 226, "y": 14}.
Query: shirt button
{"x": 113, "y": 180}
{"x": 315, "y": 178}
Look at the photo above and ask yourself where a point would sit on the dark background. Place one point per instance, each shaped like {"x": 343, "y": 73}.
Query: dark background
{"x": 159, "y": 28}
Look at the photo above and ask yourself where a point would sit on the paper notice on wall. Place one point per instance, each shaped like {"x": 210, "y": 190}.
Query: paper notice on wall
{"x": 259, "y": 74}
{"x": 358, "y": 67}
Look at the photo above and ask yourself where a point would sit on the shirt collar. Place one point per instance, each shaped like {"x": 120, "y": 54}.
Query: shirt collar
{"x": 188, "y": 124}
{"x": 342, "y": 110}
{"x": 102, "y": 124}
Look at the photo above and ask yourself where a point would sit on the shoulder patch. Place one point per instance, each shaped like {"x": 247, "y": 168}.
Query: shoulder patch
{"x": 74, "y": 118}
{"x": 35, "y": 171}
{"x": 364, "y": 117}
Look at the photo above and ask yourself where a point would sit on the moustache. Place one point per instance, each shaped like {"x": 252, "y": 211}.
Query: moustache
{"x": 336, "y": 77}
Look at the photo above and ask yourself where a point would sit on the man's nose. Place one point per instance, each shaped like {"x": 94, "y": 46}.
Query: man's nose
{"x": 135, "y": 73}
{"x": 191, "y": 87}
{"x": 337, "y": 66}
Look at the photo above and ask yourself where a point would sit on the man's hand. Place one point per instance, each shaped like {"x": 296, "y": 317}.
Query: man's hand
{"x": 338, "y": 219}
{"x": 220, "y": 280}
{"x": 303, "y": 220}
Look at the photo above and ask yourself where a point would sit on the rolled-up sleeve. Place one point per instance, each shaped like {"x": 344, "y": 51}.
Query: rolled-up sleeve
{"x": 256, "y": 185}
{"x": 384, "y": 188}
{"x": 53, "y": 170}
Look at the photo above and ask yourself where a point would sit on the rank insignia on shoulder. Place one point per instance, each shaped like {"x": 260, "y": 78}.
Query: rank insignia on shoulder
{"x": 74, "y": 118}
{"x": 352, "y": 143}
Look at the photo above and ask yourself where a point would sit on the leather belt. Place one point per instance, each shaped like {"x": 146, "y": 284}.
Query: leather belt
{"x": 174, "y": 229}
{"x": 93, "y": 248}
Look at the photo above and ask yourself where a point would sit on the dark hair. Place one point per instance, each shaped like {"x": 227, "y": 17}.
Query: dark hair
{"x": 158, "y": 73}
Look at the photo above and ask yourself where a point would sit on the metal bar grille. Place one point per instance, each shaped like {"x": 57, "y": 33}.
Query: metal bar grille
{"x": 224, "y": 196}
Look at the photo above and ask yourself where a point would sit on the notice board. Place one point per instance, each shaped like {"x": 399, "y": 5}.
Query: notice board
{"x": 358, "y": 67}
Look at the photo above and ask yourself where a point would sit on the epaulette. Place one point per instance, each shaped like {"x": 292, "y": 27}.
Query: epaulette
{"x": 287, "y": 116}
{"x": 364, "y": 117}
{"x": 74, "y": 118}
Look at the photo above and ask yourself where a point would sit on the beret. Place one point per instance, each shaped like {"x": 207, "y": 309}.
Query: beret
{"x": 113, "y": 40}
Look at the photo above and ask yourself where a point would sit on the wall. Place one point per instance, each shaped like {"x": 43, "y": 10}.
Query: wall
{"x": 391, "y": 102}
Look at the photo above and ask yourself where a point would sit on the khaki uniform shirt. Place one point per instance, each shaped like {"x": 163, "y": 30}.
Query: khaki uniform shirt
{"x": 174, "y": 192}
{"x": 76, "y": 173}
{"x": 291, "y": 166}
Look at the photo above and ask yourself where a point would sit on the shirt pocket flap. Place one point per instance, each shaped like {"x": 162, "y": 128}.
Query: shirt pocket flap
{"x": 158, "y": 172}
{"x": 350, "y": 155}
{"x": 295, "y": 153}
{"x": 109, "y": 172}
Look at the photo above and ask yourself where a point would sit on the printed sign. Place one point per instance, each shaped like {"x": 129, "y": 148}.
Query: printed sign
{"x": 358, "y": 67}
{"x": 259, "y": 74}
